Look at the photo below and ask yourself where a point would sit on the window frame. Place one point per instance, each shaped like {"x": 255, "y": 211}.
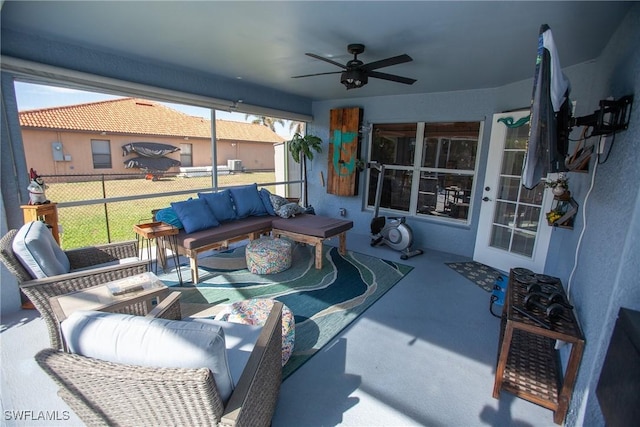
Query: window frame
{"x": 94, "y": 154}
{"x": 416, "y": 170}
{"x": 186, "y": 152}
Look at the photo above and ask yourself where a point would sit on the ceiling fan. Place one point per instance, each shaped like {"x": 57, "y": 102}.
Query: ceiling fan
{"x": 356, "y": 73}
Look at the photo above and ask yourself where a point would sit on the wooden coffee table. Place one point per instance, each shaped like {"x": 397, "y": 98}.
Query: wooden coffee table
{"x": 132, "y": 295}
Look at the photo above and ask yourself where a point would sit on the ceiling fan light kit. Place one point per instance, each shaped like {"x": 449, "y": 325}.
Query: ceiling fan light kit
{"x": 356, "y": 73}
{"x": 353, "y": 79}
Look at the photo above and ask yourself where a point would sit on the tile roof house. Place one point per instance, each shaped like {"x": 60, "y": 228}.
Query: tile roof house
{"x": 58, "y": 140}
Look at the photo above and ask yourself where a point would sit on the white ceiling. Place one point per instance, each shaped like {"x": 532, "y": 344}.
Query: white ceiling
{"x": 454, "y": 45}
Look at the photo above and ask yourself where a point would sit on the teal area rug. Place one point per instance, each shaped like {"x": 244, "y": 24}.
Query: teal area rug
{"x": 323, "y": 302}
{"x": 480, "y": 274}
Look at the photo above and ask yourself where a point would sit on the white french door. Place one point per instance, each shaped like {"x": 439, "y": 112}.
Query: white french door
{"x": 512, "y": 229}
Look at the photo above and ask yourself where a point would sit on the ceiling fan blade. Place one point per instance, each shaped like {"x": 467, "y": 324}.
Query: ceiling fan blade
{"x": 316, "y": 74}
{"x": 400, "y": 59}
{"x": 321, "y": 58}
{"x": 391, "y": 77}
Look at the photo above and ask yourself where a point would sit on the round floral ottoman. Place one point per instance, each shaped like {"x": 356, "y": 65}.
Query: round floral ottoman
{"x": 267, "y": 255}
{"x": 255, "y": 312}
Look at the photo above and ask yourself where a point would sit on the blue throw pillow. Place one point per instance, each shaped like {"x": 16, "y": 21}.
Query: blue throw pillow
{"x": 220, "y": 204}
{"x": 195, "y": 215}
{"x": 265, "y": 195}
{"x": 247, "y": 201}
{"x": 169, "y": 216}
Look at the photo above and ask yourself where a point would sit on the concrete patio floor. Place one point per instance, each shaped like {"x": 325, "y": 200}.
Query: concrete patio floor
{"x": 424, "y": 354}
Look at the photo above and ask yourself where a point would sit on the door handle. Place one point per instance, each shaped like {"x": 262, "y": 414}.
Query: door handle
{"x": 485, "y": 199}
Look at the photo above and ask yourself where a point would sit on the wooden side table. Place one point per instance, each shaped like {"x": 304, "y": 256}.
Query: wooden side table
{"x": 162, "y": 233}
{"x": 47, "y": 212}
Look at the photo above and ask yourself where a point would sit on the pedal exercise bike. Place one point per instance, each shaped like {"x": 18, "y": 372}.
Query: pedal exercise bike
{"x": 392, "y": 231}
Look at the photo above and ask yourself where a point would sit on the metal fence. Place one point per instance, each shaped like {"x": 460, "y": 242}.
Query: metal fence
{"x": 102, "y": 208}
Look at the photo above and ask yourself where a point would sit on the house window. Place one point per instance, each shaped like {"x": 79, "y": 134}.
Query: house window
{"x": 429, "y": 167}
{"x": 101, "y": 153}
{"x": 186, "y": 156}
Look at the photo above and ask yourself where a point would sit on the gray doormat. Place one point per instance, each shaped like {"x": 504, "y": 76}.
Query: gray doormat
{"x": 480, "y": 274}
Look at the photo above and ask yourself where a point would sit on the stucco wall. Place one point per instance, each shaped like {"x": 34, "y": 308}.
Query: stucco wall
{"x": 478, "y": 105}
{"x": 428, "y": 233}
{"x": 77, "y": 145}
{"x": 606, "y": 277}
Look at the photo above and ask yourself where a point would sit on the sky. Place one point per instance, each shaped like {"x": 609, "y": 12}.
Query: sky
{"x": 32, "y": 96}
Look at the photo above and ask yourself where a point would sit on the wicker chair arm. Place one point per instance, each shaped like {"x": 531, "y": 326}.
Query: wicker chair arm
{"x": 168, "y": 308}
{"x": 254, "y": 399}
{"x": 40, "y": 290}
{"x": 94, "y": 255}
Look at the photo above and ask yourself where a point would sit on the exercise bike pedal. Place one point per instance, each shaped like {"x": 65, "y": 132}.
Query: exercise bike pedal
{"x": 376, "y": 241}
{"x": 408, "y": 254}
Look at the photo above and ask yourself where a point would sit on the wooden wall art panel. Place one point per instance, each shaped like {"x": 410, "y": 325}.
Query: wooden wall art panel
{"x": 344, "y": 148}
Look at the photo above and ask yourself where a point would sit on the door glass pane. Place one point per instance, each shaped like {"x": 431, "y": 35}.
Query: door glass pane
{"x": 512, "y": 162}
{"x": 517, "y": 138}
{"x": 533, "y": 196}
{"x": 500, "y": 237}
{"x": 523, "y": 243}
{"x": 528, "y": 217}
{"x": 505, "y": 213}
{"x": 517, "y": 210}
{"x": 509, "y": 189}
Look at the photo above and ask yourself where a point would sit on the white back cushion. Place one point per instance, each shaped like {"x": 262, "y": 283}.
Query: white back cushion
{"x": 38, "y": 251}
{"x": 240, "y": 340}
{"x": 142, "y": 341}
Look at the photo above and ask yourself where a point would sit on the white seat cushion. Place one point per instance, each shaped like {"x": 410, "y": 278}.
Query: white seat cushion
{"x": 38, "y": 251}
{"x": 142, "y": 341}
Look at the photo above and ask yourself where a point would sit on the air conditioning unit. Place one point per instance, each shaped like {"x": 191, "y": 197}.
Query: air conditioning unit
{"x": 234, "y": 165}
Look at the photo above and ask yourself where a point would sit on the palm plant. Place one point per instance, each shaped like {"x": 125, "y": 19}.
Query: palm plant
{"x": 296, "y": 127}
{"x": 269, "y": 122}
{"x": 302, "y": 148}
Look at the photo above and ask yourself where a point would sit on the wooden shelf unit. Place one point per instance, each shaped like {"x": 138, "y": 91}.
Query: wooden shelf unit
{"x": 47, "y": 212}
{"x": 528, "y": 364}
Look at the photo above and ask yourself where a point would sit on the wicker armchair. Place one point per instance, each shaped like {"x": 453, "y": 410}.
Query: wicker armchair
{"x": 40, "y": 290}
{"x": 109, "y": 394}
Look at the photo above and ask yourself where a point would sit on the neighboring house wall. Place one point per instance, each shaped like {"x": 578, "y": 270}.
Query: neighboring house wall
{"x": 127, "y": 120}
{"x": 76, "y": 146}
{"x": 254, "y": 155}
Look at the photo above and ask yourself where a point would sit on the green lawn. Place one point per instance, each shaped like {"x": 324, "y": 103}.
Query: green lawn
{"x": 87, "y": 225}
